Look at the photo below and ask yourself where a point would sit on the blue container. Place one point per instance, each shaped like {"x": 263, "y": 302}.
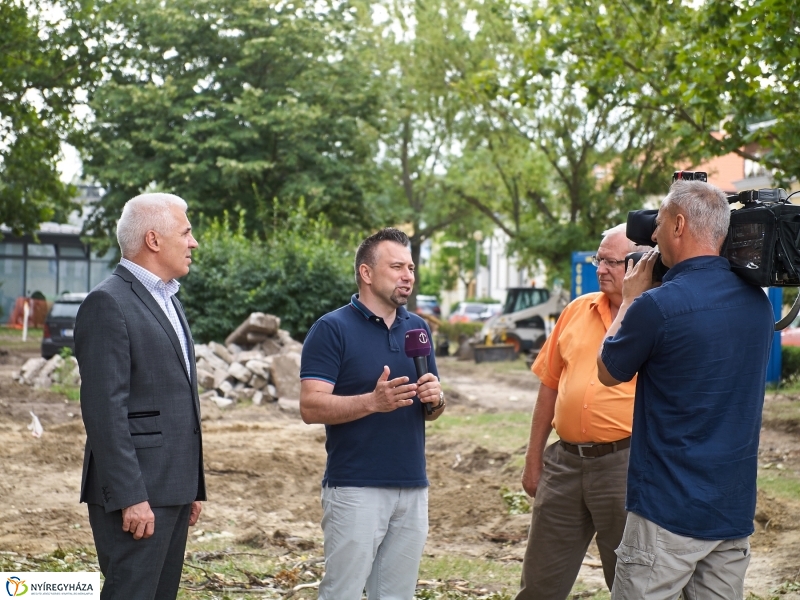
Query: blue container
{"x": 774, "y": 364}
{"x": 584, "y": 274}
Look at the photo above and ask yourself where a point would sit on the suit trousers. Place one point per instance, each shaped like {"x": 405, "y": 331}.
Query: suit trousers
{"x": 576, "y": 498}
{"x": 374, "y": 538}
{"x": 145, "y": 569}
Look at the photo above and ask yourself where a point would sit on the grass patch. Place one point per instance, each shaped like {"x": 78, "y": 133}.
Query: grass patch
{"x": 11, "y": 339}
{"x": 783, "y": 484}
{"x": 472, "y": 572}
{"x": 215, "y": 572}
{"x": 782, "y": 408}
{"x": 503, "y": 432}
{"x": 72, "y": 392}
{"x": 486, "y": 369}
{"x": 60, "y": 561}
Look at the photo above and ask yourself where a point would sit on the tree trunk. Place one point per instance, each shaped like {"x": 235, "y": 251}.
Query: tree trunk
{"x": 416, "y": 245}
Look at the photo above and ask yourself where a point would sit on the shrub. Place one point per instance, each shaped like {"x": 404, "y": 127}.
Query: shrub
{"x": 298, "y": 275}
{"x": 454, "y": 331}
{"x": 790, "y": 363}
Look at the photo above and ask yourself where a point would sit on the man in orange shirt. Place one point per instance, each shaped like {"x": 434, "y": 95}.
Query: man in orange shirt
{"x": 578, "y": 482}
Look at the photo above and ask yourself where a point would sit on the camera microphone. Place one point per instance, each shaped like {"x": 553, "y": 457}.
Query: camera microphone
{"x": 418, "y": 347}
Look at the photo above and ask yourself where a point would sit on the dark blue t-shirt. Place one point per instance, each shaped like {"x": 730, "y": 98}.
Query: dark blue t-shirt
{"x": 700, "y": 343}
{"x": 349, "y": 348}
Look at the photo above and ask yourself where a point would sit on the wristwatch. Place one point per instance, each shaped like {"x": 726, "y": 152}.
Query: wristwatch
{"x": 441, "y": 401}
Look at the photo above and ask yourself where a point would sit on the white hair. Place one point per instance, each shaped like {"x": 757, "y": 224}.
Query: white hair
{"x": 144, "y": 213}
{"x": 622, "y": 229}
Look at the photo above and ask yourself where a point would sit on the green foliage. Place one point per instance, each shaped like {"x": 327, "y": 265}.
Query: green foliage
{"x": 230, "y": 104}
{"x": 790, "y": 363}
{"x": 298, "y": 274}
{"x": 455, "y": 332}
{"x": 516, "y": 501}
{"x": 49, "y": 55}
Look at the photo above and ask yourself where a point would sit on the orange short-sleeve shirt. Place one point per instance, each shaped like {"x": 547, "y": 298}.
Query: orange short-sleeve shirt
{"x": 586, "y": 410}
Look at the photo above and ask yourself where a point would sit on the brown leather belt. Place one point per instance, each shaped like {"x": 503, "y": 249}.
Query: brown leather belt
{"x": 595, "y": 450}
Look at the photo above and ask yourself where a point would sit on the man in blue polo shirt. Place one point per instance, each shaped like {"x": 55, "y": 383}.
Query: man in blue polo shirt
{"x": 700, "y": 344}
{"x": 358, "y": 381}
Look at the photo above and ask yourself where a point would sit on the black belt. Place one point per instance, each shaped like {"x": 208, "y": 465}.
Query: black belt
{"x": 595, "y": 450}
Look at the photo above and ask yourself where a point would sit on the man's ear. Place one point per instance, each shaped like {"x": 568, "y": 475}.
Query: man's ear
{"x": 152, "y": 241}
{"x": 366, "y": 273}
{"x": 680, "y": 225}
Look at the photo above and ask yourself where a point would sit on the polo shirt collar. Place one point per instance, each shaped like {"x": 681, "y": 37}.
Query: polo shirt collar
{"x": 402, "y": 313}
{"x": 695, "y": 263}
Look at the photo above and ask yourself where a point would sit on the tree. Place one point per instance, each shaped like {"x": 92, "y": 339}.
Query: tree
{"x": 49, "y": 56}
{"x": 720, "y": 65}
{"x": 235, "y": 104}
{"x": 549, "y": 164}
{"x": 423, "y": 51}
{"x": 299, "y": 274}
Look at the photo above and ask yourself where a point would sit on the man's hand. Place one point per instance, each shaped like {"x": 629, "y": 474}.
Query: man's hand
{"x": 139, "y": 520}
{"x": 639, "y": 279}
{"x": 531, "y": 475}
{"x": 197, "y": 508}
{"x": 392, "y": 394}
{"x": 429, "y": 389}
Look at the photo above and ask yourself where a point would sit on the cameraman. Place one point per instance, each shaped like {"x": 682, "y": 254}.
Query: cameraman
{"x": 700, "y": 344}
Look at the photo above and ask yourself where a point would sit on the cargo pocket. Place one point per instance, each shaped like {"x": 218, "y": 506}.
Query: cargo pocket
{"x": 632, "y": 574}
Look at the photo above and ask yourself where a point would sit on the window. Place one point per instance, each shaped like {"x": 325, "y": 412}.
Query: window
{"x": 42, "y": 250}
{"x": 11, "y": 248}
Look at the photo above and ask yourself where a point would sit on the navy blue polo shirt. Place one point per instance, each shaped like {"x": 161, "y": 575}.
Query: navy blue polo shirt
{"x": 349, "y": 348}
{"x": 700, "y": 343}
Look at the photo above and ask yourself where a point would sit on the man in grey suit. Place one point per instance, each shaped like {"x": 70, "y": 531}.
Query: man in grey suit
{"x": 143, "y": 466}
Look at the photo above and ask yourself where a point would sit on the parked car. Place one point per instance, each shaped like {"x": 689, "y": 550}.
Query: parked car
{"x": 491, "y": 310}
{"x": 791, "y": 335}
{"x": 59, "y": 325}
{"x": 468, "y": 311}
{"x": 428, "y": 305}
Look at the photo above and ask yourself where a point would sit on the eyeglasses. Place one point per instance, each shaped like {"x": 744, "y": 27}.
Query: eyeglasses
{"x": 610, "y": 263}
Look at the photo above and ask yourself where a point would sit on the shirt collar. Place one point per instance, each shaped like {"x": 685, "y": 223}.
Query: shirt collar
{"x": 601, "y": 304}
{"x": 402, "y": 313}
{"x": 150, "y": 280}
{"x": 697, "y": 262}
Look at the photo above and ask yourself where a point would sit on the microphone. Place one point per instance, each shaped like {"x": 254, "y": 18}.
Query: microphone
{"x": 418, "y": 347}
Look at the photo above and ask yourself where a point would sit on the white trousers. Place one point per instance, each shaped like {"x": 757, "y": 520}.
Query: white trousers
{"x": 374, "y": 538}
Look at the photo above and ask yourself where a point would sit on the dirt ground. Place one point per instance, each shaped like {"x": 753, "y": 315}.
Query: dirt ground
{"x": 263, "y": 468}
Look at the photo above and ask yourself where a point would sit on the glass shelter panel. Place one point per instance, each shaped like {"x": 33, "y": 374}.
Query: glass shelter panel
{"x": 41, "y": 277}
{"x": 11, "y": 272}
{"x": 73, "y": 276}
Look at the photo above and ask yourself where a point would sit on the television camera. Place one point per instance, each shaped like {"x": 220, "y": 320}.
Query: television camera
{"x": 763, "y": 241}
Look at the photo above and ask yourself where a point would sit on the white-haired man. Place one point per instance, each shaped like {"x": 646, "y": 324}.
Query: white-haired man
{"x": 578, "y": 482}
{"x": 143, "y": 465}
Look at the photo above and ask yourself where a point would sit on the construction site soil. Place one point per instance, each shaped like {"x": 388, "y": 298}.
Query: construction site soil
{"x": 264, "y": 465}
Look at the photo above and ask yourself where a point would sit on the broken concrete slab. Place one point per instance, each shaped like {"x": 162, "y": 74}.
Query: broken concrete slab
{"x": 285, "y": 376}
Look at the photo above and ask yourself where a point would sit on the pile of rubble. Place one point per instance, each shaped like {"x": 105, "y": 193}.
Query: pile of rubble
{"x": 43, "y": 373}
{"x": 259, "y": 362}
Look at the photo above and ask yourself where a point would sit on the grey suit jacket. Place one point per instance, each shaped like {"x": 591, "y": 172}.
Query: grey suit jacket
{"x": 140, "y": 406}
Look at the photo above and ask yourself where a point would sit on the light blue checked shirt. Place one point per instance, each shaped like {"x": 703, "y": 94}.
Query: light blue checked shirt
{"x": 162, "y": 292}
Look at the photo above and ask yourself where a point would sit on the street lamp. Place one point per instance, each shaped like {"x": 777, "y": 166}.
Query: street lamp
{"x": 478, "y": 237}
